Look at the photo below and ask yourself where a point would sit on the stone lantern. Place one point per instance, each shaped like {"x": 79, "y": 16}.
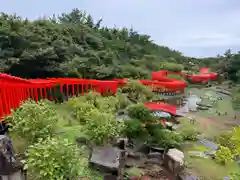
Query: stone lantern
{"x": 174, "y": 161}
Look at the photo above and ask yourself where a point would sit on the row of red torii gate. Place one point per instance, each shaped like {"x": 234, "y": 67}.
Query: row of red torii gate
{"x": 14, "y": 90}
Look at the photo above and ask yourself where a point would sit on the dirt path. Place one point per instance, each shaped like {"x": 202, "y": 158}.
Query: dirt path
{"x": 209, "y": 127}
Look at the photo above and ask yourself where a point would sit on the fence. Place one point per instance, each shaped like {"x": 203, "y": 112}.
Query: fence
{"x": 15, "y": 90}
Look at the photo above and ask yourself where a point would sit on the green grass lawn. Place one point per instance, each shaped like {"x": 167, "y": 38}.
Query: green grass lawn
{"x": 68, "y": 124}
{"x": 207, "y": 168}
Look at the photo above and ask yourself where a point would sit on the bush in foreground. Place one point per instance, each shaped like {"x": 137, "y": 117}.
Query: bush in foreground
{"x": 33, "y": 121}
{"x": 57, "y": 160}
{"x": 102, "y": 126}
{"x": 223, "y": 155}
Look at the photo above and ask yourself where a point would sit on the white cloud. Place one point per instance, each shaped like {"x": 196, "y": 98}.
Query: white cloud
{"x": 210, "y": 40}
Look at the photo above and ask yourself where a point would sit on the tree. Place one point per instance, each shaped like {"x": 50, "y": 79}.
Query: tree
{"x": 172, "y": 67}
{"x": 74, "y": 45}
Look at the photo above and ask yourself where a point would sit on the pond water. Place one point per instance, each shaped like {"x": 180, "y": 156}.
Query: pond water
{"x": 185, "y": 103}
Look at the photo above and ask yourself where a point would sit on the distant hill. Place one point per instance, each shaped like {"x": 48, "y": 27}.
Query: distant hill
{"x": 74, "y": 45}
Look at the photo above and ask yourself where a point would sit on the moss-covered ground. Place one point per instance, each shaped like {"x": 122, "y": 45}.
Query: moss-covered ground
{"x": 210, "y": 124}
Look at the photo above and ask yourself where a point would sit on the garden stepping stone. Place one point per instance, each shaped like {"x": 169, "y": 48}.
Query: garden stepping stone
{"x": 156, "y": 155}
{"x": 226, "y": 178}
{"x": 105, "y": 159}
{"x": 155, "y": 161}
{"x": 110, "y": 177}
{"x": 208, "y": 143}
{"x": 197, "y": 154}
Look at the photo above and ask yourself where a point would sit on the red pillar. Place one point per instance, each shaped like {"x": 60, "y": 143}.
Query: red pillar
{"x": 73, "y": 90}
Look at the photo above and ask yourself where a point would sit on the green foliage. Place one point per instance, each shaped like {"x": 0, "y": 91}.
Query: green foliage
{"x": 166, "y": 138}
{"x": 81, "y": 109}
{"x": 102, "y": 126}
{"x": 172, "y": 67}
{"x": 223, "y": 155}
{"x": 228, "y": 65}
{"x": 236, "y": 98}
{"x": 137, "y": 92}
{"x": 84, "y": 104}
{"x": 189, "y": 133}
{"x": 139, "y": 111}
{"x": 235, "y": 176}
{"x": 75, "y": 45}
{"x": 122, "y": 101}
{"x": 225, "y": 139}
{"x": 92, "y": 97}
{"x": 231, "y": 140}
{"x": 152, "y": 128}
{"x": 56, "y": 159}
{"x": 107, "y": 104}
{"x": 133, "y": 128}
{"x": 32, "y": 121}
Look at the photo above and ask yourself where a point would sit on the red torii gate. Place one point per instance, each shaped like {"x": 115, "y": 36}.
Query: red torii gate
{"x": 15, "y": 90}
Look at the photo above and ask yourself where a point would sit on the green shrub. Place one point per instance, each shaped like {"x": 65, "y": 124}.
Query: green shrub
{"x": 81, "y": 109}
{"x": 122, "y": 101}
{"x": 137, "y": 92}
{"x": 92, "y": 97}
{"x": 102, "y": 126}
{"x": 168, "y": 139}
{"x": 106, "y": 104}
{"x": 172, "y": 67}
{"x": 189, "y": 134}
{"x": 74, "y": 100}
{"x": 235, "y": 176}
{"x": 223, "y": 155}
{"x": 56, "y": 159}
{"x": 139, "y": 111}
{"x": 152, "y": 128}
{"x": 132, "y": 128}
{"x": 32, "y": 121}
{"x": 225, "y": 139}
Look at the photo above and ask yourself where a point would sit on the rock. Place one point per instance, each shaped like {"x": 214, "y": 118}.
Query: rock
{"x": 157, "y": 149}
{"x": 133, "y": 155}
{"x": 224, "y": 92}
{"x": 202, "y": 108}
{"x": 129, "y": 164}
{"x": 81, "y": 140}
{"x": 8, "y": 162}
{"x": 154, "y": 161}
{"x": 3, "y": 128}
{"x": 121, "y": 143}
{"x": 110, "y": 177}
{"x": 154, "y": 155}
{"x": 176, "y": 155}
{"x": 197, "y": 154}
{"x": 145, "y": 148}
{"x": 212, "y": 154}
{"x": 208, "y": 144}
{"x": 105, "y": 159}
{"x": 226, "y": 178}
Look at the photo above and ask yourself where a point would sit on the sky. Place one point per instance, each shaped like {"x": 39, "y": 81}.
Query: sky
{"x": 197, "y": 28}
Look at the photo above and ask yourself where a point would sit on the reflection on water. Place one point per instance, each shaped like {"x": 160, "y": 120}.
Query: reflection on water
{"x": 191, "y": 103}
{"x": 184, "y": 103}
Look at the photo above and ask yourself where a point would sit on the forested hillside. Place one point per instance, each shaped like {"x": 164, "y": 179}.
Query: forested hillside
{"x": 75, "y": 45}
{"x": 227, "y": 64}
